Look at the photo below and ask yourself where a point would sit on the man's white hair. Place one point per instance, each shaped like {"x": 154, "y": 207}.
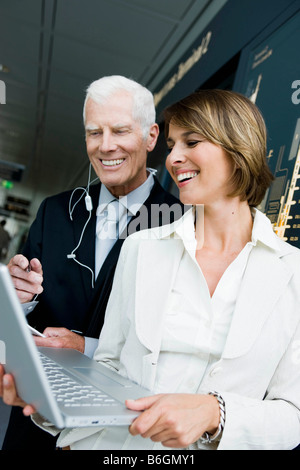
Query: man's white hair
{"x": 143, "y": 110}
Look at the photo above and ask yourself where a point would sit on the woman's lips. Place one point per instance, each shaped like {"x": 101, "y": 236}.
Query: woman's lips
{"x": 186, "y": 176}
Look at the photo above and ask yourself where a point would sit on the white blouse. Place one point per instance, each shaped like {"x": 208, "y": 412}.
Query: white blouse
{"x": 196, "y": 324}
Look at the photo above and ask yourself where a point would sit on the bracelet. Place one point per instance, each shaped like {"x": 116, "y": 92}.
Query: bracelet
{"x": 207, "y": 438}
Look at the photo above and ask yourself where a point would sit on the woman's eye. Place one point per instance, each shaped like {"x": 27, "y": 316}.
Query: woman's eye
{"x": 192, "y": 143}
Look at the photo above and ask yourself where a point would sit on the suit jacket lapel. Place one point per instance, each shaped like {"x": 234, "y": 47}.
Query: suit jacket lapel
{"x": 264, "y": 282}
{"x": 151, "y": 297}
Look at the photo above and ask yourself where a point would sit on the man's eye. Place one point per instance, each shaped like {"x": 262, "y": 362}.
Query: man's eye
{"x": 93, "y": 133}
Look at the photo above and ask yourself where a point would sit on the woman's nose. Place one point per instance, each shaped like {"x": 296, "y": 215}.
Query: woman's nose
{"x": 176, "y": 156}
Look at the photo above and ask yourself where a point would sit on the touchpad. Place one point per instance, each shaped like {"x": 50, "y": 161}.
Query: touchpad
{"x": 98, "y": 378}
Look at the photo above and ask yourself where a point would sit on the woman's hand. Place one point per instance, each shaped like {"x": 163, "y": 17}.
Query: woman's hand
{"x": 9, "y": 393}
{"x": 175, "y": 420}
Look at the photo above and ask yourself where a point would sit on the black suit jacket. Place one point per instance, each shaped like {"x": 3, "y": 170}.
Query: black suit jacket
{"x": 68, "y": 299}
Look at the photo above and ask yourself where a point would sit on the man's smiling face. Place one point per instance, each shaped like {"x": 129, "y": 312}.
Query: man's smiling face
{"x": 115, "y": 144}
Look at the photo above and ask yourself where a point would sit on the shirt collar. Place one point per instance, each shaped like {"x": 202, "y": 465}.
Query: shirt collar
{"x": 136, "y": 198}
{"x": 132, "y": 201}
{"x": 105, "y": 197}
{"x": 185, "y": 229}
{"x": 262, "y": 230}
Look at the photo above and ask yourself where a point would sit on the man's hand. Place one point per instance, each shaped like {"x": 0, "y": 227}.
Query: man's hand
{"x": 175, "y": 420}
{"x": 9, "y": 394}
{"x": 60, "y": 338}
{"x": 27, "y": 277}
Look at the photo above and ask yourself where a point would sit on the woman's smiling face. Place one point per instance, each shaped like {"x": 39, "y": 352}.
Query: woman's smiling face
{"x": 201, "y": 169}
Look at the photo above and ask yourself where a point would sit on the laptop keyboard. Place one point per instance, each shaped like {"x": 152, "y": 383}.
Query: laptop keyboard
{"x": 71, "y": 392}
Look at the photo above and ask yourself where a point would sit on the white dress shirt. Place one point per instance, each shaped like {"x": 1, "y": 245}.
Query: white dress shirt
{"x": 196, "y": 325}
{"x": 130, "y": 203}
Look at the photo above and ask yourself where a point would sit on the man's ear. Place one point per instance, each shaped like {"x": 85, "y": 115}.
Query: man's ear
{"x": 152, "y": 137}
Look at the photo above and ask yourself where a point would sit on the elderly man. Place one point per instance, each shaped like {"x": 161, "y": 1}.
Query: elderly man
{"x": 72, "y": 249}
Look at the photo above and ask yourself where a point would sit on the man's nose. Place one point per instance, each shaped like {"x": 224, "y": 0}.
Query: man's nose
{"x": 107, "y": 143}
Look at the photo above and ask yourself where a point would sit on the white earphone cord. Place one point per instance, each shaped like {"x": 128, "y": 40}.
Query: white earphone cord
{"x": 89, "y": 206}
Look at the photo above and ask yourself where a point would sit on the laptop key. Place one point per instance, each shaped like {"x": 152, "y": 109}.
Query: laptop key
{"x": 69, "y": 391}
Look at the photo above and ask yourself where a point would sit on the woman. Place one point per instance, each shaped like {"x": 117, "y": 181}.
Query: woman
{"x": 209, "y": 317}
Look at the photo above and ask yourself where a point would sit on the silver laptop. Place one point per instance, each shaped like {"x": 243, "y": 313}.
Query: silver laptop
{"x": 65, "y": 386}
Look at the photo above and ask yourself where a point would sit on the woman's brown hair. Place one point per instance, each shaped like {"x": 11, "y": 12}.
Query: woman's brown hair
{"x": 233, "y": 122}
